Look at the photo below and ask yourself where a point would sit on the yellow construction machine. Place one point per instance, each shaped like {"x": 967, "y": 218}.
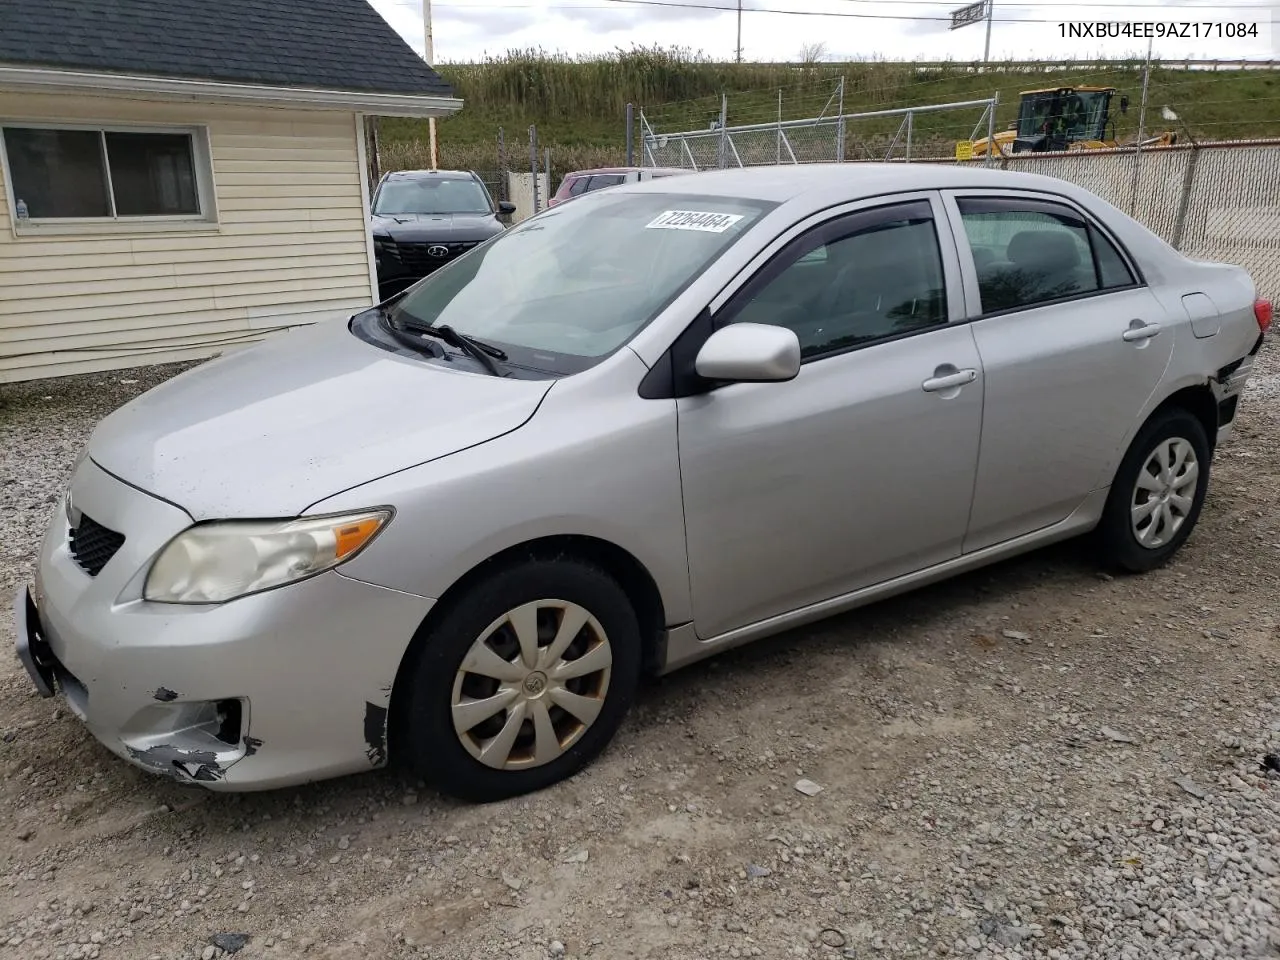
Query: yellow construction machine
{"x": 1059, "y": 119}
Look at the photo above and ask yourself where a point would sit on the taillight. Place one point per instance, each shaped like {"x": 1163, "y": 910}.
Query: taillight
{"x": 1262, "y": 311}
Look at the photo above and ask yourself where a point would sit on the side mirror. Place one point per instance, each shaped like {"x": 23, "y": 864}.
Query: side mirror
{"x": 506, "y": 208}
{"x": 750, "y": 353}
{"x": 1124, "y": 104}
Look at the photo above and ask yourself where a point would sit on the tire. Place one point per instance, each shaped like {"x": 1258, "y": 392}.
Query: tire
{"x": 1181, "y": 434}
{"x": 448, "y": 758}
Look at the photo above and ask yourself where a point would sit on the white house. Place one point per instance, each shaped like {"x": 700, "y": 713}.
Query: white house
{"x": 179, "y": 178}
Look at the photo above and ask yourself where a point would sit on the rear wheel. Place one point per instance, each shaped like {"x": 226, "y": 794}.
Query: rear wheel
{"x": 523, "y": 682}
{"x": 1158, "y": 493}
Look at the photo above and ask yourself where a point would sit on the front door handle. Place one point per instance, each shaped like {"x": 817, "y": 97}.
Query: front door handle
{"x": 1140, "y": 331}
{"x": 948, "y": 381}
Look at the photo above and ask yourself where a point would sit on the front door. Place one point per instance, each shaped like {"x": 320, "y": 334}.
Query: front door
{"x": 860, "y": 469}
{"x": 1072, "y": 346}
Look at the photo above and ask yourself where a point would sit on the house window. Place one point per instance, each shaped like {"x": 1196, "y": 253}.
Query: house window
{"x": 78, "y": 173}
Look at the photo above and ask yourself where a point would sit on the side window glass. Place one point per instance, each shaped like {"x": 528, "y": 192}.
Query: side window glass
{"x": 578, "y": 186}
{"x": 602, "y": 180}
{"x": 1112, "y": 270}
{"x": 857, "y": 287}
{"x": 1026, "y": 255}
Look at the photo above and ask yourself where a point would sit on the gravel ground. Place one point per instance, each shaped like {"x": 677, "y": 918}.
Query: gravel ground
{"x": 1035, "y": 760}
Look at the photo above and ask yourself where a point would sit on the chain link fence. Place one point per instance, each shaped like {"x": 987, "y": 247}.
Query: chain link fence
{"x": 1217, "y": 200}
{"x": 830, "y": 137}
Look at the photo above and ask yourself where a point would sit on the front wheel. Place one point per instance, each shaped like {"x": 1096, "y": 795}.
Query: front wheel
{"x": 523, "y": 682}
{"x": 1157, "y": 494}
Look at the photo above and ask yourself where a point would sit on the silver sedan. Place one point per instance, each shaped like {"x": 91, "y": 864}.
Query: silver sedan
{"x": 460, "y": 529}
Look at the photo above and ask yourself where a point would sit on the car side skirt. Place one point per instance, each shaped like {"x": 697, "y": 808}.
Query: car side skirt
{"x": 684, "y": 646}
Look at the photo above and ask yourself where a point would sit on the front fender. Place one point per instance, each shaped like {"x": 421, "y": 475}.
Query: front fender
{"x": 596, "y": 460}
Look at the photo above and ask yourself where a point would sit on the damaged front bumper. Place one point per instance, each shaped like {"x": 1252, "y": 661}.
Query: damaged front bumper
{"x": 279, "y": 688}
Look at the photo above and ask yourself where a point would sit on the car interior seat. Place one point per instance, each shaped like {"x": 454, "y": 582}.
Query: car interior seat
{"x": 1047, "y": 259}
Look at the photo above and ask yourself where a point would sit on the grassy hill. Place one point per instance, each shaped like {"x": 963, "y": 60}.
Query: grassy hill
{"x": 579, "y": 105}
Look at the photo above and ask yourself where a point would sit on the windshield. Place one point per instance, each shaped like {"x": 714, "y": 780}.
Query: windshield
{"x": 1077, "y": 116}
{"x": 432, "y": 195}
{"x": 571, "y": 285}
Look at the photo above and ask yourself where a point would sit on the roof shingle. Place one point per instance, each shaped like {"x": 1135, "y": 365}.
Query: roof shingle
{"x": 328, "y": 44}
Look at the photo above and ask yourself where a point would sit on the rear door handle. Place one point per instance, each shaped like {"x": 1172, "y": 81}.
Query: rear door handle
{"x": 949, "y": 381}
{"x": 1140, "y": 331}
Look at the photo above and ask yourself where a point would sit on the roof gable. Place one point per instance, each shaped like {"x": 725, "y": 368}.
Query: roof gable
{"x": 326, "y": 44}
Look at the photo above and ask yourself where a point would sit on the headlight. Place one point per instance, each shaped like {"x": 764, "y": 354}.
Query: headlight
{"x": 216, "y": 562}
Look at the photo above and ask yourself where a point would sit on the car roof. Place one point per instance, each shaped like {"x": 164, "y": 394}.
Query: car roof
{"x": 852, "y": 181}
{"x": 422, "y": 174}
{"x": 808, "y": 188}
{"x": 593, "y": 170}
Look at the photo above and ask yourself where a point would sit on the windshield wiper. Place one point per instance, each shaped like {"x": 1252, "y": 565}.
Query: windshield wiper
{"x": 486, "y": 354}
{"x": 413, "y": 343}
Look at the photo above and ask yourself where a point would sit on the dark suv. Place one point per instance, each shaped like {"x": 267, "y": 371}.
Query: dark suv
{"x": 423, "y": 219}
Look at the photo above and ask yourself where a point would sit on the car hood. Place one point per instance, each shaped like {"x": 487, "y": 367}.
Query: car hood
{"x": 437, "y": 228}
{"x": 270, "y": 430}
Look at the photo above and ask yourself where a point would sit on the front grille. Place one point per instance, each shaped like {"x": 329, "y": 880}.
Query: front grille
{"x": 93, "y": 545}
{"x": 414, "y": 256}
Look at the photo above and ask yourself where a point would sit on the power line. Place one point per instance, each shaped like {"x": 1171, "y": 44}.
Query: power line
{"x": 677, "y": 4}
{"x": 833, "y": 13}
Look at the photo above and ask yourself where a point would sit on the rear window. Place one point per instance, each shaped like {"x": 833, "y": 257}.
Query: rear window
{"x": 601, "y": 180}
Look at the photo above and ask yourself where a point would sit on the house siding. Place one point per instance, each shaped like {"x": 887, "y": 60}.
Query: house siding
{"x": 289, "y": 248}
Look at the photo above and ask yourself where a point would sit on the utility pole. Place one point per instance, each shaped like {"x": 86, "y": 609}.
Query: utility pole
{"x": 1142, "y": 129}
{"x": 739, "y": 31}
{"x": 430, "y": 58}
{"x": 986, "y": 51}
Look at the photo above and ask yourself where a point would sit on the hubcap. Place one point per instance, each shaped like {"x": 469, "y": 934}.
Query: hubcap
{"x": 1164, "y": 492}
{"x": 531, "y": 684}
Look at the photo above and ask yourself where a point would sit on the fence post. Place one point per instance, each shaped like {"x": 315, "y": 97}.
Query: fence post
{"x": 1188, "y": 184}
{"x": 547, "y": 166}
{"x": 646, "y": 154}
{"x": 1142, "y": 132}
{"x": 991, "y": 130}
{"x": 631, "y": 136}
{"x": 724, "y": 129}
{"x": 504, "y": 187}
{"x": 840, "y": 124}
{"x": 778, "y": 144}
{"x": 533, "y": 162}
{"x": 909, "y": 126}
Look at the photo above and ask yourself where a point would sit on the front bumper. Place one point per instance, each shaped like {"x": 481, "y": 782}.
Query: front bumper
{"x": 283, "y": 687}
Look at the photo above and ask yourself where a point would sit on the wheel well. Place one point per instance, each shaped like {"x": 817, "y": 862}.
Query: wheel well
{"x": 1200, "y": 403}
{"x": 630, "y": 573}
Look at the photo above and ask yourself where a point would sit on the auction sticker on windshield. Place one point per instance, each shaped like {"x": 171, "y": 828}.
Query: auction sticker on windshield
{"x": 702, "y": 221}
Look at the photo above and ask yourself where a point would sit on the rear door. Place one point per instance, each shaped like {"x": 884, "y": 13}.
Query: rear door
{"x": 1073, "y": 343}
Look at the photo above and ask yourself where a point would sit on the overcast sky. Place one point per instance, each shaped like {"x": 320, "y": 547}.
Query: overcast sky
{"x": 467, "y": 30}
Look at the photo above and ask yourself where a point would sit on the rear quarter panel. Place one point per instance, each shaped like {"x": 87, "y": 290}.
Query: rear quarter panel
{"x": 1171, "y": 276}
{"x": 1196, "y": 360}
